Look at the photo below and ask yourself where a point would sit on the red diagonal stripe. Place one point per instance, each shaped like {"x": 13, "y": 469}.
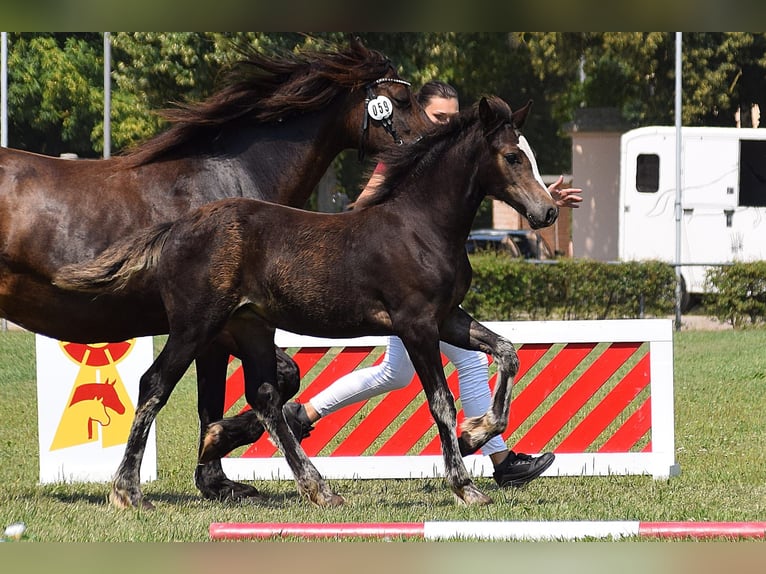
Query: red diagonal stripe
{"x": 410, "y": 432}
{"x": 332, "y": 424}
{"x": 412, "y": 429}
{"x": 308, "y": 357}
{"x": 529, "y": 354}
{"x": 235, "y": 384}
{"x": 343, "y": 363}
{"x": 235, "y": 388}
{"x": 546, "y": 382}
{"x": 576, "y": 396}
{"x": 608, "y": 409}
{"x": 632, "y": 430}
{"x": 378, "y": 419}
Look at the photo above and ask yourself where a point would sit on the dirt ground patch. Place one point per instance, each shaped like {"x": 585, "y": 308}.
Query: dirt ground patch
{"x": 702, "y": 323}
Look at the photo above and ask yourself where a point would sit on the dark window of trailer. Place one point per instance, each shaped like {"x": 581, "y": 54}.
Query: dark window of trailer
{"x": 648, "y": 173}
{"x": 752, "y": 173}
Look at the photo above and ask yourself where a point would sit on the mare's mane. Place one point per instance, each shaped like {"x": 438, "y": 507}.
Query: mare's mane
{"x": 411, "y": 160}
{"x": 264, "y": 88}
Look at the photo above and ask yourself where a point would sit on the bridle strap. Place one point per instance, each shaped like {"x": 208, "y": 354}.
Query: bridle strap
{"x": 387, "y": 123}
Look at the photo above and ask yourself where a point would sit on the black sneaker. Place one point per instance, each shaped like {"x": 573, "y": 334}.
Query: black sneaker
{"x": 519, "y": 468}
{"x": 297, "y": 420}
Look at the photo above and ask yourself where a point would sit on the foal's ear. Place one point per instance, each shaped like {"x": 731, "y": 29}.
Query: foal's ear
{"x": 519, "y": 116}
{"x": 488, "y": 115}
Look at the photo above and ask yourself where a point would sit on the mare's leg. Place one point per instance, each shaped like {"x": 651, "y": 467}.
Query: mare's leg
{"x": 462, "y": 330}
{"x": 257, "y": 352}
{"x": 426, "y": 357}
{"x": 222, "y": 436}
{"x": 211, "y": 367}
{"x": 154, "y": 390}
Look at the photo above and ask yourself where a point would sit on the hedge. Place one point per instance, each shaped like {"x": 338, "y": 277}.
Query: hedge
{"x": 505, "y": 289}
{"x": 736, "y": 294}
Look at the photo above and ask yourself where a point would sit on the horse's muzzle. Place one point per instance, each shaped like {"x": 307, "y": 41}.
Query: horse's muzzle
{"x": 547, "y": 220}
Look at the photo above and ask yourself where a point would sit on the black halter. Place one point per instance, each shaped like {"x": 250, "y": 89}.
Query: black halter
{"x": 384, "y": 107}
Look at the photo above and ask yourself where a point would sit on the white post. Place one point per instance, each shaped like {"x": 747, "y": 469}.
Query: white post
{"x": 4, "y": 89}
{"x": 678, "y": 181}
{"x": 3, "y": 111}
{"x": 107, "y": 96}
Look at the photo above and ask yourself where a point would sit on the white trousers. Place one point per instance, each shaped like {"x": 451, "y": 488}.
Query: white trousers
{"x": 396, "y": 372}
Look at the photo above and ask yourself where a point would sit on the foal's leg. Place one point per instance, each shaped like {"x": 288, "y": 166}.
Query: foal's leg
{"x": 462, "y": 330}
{"x": 222, "y": 436}
{"x": 425, "y": 355}
{"x": 260, "y": 369}
{"x": 154, "y": 390}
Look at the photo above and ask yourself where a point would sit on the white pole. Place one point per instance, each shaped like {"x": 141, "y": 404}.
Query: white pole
{"x": 678, "y": 209}
{"x": 107, "y": 96}
{"x": 3, "y": 111}
{"x": 4, "y": 89}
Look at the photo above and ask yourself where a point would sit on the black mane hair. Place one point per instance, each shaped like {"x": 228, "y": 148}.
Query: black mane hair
{"x": 411, "y": 160}
{"x": 263, "y": 88}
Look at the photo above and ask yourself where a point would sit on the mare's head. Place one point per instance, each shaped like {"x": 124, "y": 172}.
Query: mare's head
{"x": 512, "y": 175}
{"x": 358, "y": 95}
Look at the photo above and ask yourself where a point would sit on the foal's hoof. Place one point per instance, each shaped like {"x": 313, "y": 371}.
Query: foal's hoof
{"x": 325, "y": 498}
{"x": 123, "y": 499}
{"x": 332, "y": 500}
{"x": 472, "y": 495}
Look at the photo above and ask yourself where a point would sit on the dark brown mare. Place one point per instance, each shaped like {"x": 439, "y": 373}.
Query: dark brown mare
{"x": 398, "y": 266}
{"x": 270, "y": 133}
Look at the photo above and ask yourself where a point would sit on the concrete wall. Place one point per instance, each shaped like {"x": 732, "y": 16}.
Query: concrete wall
{"x": 595, "y": 137}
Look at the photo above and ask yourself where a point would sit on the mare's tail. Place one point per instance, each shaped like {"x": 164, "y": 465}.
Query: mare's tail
{"x": 114, "y": 268}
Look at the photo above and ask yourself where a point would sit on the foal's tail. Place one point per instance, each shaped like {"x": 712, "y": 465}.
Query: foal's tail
{"x": 117, "y": 265}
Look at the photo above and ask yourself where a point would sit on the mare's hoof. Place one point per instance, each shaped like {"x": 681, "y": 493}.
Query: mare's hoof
{"x": 229, "y": 490}
{"x": 214, "y": 485}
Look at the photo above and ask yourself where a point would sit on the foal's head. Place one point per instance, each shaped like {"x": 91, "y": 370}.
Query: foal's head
{"x": 484, "y": 138}
{"x": 513, "y": 176}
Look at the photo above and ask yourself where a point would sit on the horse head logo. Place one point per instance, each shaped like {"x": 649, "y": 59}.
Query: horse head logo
{"x": 94, "y": 401}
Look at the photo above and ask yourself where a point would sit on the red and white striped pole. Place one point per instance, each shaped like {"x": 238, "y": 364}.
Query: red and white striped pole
{"x": 511, "y": 530}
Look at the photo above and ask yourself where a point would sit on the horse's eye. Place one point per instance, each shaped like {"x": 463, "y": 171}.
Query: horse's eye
{"x": 512, "y": 158}
{"x": 401, "y": 101}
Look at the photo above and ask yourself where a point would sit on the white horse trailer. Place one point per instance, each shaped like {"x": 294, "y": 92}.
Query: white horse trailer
{"x": 723, "y": 181}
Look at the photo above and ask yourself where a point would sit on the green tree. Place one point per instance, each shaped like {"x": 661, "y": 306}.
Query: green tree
{"x": 56, "y": 86}
{"x": 155, "y": 70}
{"x": 722, "y": 72}
{"x": 55, "y": 92}
{"x": 635, "y": 72}
{"x": 56, "y": 79}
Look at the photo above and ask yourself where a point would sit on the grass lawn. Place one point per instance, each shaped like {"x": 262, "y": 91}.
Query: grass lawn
{"x": 720, "y": 393}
